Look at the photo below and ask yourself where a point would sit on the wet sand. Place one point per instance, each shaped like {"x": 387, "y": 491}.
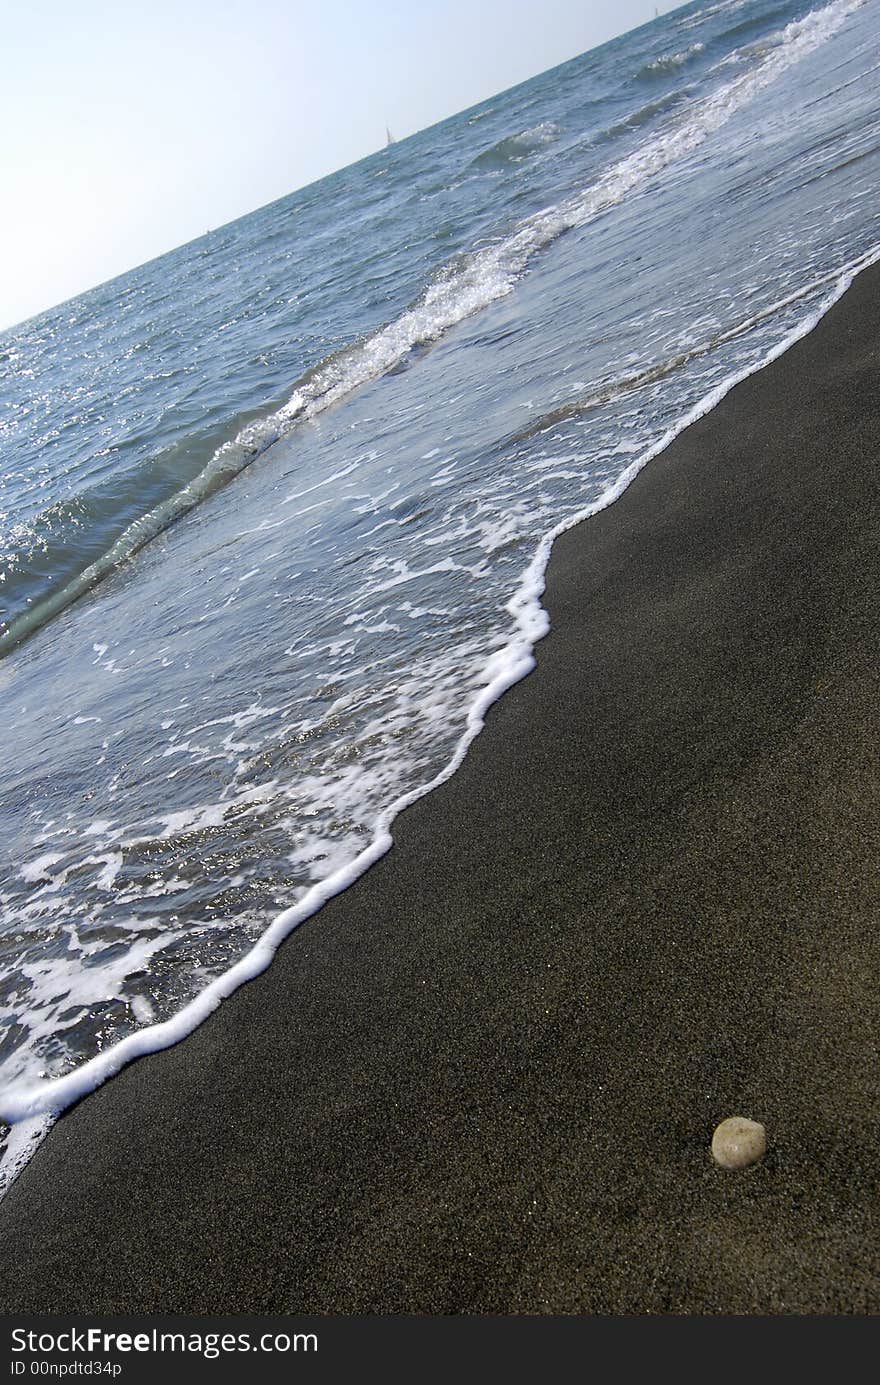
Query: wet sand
{"x": 485, "y": 1079}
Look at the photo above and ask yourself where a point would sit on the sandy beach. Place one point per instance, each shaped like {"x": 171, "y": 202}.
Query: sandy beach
{"x": 485, "y": 1079}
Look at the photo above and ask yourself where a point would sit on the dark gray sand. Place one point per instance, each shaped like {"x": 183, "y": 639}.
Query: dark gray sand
{"x": 485, "y": 1079}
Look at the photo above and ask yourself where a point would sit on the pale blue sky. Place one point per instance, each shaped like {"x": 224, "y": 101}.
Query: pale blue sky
{"x": 128, "y": 128}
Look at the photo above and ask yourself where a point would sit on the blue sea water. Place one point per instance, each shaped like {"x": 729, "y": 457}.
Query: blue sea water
{"x": 274, "y": 508}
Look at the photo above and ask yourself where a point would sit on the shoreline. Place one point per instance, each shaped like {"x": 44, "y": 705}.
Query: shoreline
{"x": 641, "y": 904}
{"x": 25, "y": 1107}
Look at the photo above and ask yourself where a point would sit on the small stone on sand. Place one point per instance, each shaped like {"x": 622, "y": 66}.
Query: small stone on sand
{"x": 738, "y": 1142}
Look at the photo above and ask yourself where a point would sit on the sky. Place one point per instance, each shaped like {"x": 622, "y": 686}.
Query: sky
{"x": 128, "y": 128}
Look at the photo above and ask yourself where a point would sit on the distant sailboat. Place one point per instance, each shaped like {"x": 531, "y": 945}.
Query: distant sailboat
{"x": 389, "y": 138}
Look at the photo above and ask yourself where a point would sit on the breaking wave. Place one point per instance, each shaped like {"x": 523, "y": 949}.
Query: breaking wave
{"x": 661, "y": 67}
{"x": 464, "y": 286}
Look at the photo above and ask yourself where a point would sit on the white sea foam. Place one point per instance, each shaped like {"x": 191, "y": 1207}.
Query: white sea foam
{"x": 39, "y": 869}
{"x": 670, "y": 61}
{"x": 22, "y": 1143}
{"x": 29, "y": 1105}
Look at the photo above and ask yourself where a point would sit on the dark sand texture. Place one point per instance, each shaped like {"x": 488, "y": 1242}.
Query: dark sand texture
{"x": 485, "y": 1079}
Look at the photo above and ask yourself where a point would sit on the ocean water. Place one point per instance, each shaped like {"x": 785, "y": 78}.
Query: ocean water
{"x": 275, "y": 508}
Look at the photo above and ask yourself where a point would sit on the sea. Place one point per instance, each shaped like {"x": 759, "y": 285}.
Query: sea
{"x": 275, "y": 508}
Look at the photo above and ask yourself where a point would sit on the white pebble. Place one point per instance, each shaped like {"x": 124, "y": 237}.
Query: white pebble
{"x": 738, "y": 1142}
